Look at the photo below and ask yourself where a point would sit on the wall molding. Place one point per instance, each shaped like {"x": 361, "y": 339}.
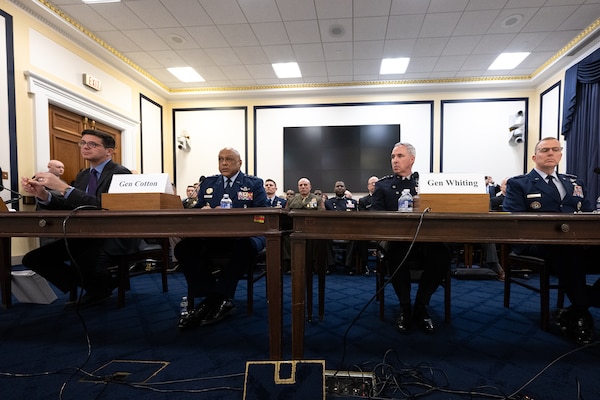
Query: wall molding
{"x": 46, "y": 92}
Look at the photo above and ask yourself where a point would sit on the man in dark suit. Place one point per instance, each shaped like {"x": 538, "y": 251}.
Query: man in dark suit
{"x": 91, "y": 258}
{"x": 272, "y": 199}
{"x": 364, "y": 203}
{"x": 194, "y": 254}
{"x": 490, "y": 186}
{"x": 544, "y": 190}
{"x": 497, "y": 200}
{"x": 340, "y": 202}
{"x": 432, "y": 258}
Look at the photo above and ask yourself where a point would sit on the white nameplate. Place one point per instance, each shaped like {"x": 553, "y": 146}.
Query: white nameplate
{"x": 140, "y": 183}
{"x": 452, "y": 183}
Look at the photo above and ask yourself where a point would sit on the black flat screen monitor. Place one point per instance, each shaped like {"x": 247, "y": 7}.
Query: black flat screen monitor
{"x": 326, "y": 154}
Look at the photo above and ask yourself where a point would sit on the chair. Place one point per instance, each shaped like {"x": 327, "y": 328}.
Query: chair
{"x": 533, "y": 265}
{"x": 415, "y": 276}
{"x": 154, "y": 254}
{"x": 256, "y": 271}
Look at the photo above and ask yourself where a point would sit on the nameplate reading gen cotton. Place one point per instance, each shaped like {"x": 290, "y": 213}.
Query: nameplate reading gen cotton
{"x": 140, "y": 183}
{"x": 452, "y": 184}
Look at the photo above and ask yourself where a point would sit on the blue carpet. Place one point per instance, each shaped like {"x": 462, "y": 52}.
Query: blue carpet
{"x": 485, "y": 349}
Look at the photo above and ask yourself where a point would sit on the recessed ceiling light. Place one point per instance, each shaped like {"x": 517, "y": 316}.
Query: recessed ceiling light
{"x": 186, "y": 74}
{"x": 177, "y": 39}
{"x": 100, "y": 1}
{"x": 508, "y": 60}
{"x": 287, "y": 70}
{"x": 336, "y": 30}
{"x": 394, "y": 65}
{"x": 512, "y": 20}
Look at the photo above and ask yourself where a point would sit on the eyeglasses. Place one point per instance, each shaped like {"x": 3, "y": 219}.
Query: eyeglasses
{"x": 91, "y": 145}
{"x": 547, "y": 149}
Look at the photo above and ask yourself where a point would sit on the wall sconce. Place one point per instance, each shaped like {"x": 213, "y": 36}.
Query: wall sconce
{"x": 516, "y": 129}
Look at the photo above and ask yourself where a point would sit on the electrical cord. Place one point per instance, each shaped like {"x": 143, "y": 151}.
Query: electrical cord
{"x": 382, "y": 288}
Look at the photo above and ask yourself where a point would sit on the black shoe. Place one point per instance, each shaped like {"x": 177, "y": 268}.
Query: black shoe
{"x": 195, "y": 316}
{"x": 218, "y": 312}
{"x": 423, "y": 320}
{"x": 581, "y": 329}
{"x": 402, "y": 323}
{"x": 561, "y": 318}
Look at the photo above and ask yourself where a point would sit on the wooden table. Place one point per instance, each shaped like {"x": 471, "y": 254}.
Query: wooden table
{"x": 268, "y": 222}
{"x": 435, "y": 227}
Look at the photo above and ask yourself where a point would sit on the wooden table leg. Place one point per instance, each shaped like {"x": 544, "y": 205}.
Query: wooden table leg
{"x": 5, "y": 271}
{"x": 275, "y": 296}
{"x": 298, "y": 247}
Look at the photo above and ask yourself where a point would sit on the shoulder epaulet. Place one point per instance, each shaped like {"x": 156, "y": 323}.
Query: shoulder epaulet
{"x": 253, "y": 177}
{"x": 386, "y": 177}
{"x": 570, "y": 176}
{"x": 517, "y": 177}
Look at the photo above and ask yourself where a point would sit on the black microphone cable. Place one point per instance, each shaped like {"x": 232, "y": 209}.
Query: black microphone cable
{"x": 78, "y": 301}
{"x": 381, "y": 289}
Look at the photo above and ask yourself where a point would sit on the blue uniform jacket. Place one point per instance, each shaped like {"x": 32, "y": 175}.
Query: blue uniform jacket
{"x": 277, "y": 201}
{"x": 248, "y": 192}
{"x": 388, "y": 190}
{"x": 341, "y": 204}
{"x": 532, "y": 193}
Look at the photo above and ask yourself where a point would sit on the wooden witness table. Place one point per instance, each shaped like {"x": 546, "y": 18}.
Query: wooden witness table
{"x": 268, "y": 222}
{"x": 436, "y": 227}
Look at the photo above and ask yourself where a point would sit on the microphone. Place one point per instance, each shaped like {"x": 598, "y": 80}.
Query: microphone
{"x": 415, "y": 176}
{"x": 14, "y": 200}
{"x": 597, "y": 170}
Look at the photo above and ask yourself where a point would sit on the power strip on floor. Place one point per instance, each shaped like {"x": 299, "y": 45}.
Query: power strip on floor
{"x": 353, "y": 383}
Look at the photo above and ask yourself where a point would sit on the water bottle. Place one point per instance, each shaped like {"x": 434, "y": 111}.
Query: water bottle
{"x": 226, "y": 202}
{"x": 598, "y": 205}
{"x": 405, "y": 202}
{"x": 183, "y": 306}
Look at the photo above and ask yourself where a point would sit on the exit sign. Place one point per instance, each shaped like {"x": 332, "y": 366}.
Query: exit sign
{"x": 92, "y": 82}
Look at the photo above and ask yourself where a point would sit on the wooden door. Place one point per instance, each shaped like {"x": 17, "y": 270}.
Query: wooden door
{"x": 65, "y": 134}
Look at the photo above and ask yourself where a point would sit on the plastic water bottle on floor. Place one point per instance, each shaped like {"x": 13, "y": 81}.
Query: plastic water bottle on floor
{"x": 183, "y": 306}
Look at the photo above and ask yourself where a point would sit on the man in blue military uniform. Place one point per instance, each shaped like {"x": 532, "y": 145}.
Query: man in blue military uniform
{"x": 272, "y": 199}
{"x": 341, "y": 203}
{"x": 194, "y": 254}
{"x": 432, "y": 258}
{"x": 544, "y": 190}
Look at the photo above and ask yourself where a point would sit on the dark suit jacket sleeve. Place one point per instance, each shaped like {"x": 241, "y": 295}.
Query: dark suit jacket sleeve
{"x": 78, "y": 196}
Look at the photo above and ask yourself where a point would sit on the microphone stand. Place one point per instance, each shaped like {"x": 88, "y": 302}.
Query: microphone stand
{"x": 12, "y": 200}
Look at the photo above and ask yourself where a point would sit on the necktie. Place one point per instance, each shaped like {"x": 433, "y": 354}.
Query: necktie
{"x": 553, "y": 185}
{"x": 228, "y": 187}
{"x": 93, "y": 183}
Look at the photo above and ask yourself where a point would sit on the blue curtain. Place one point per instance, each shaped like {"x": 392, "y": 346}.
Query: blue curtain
{"x": 581, "y": 121}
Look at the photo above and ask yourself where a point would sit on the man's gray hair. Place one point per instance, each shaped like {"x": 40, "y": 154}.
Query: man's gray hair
{"x": 411, "y": 149}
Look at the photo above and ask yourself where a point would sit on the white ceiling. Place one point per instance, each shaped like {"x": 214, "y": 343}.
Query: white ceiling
{"x": 232, "y": 43}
